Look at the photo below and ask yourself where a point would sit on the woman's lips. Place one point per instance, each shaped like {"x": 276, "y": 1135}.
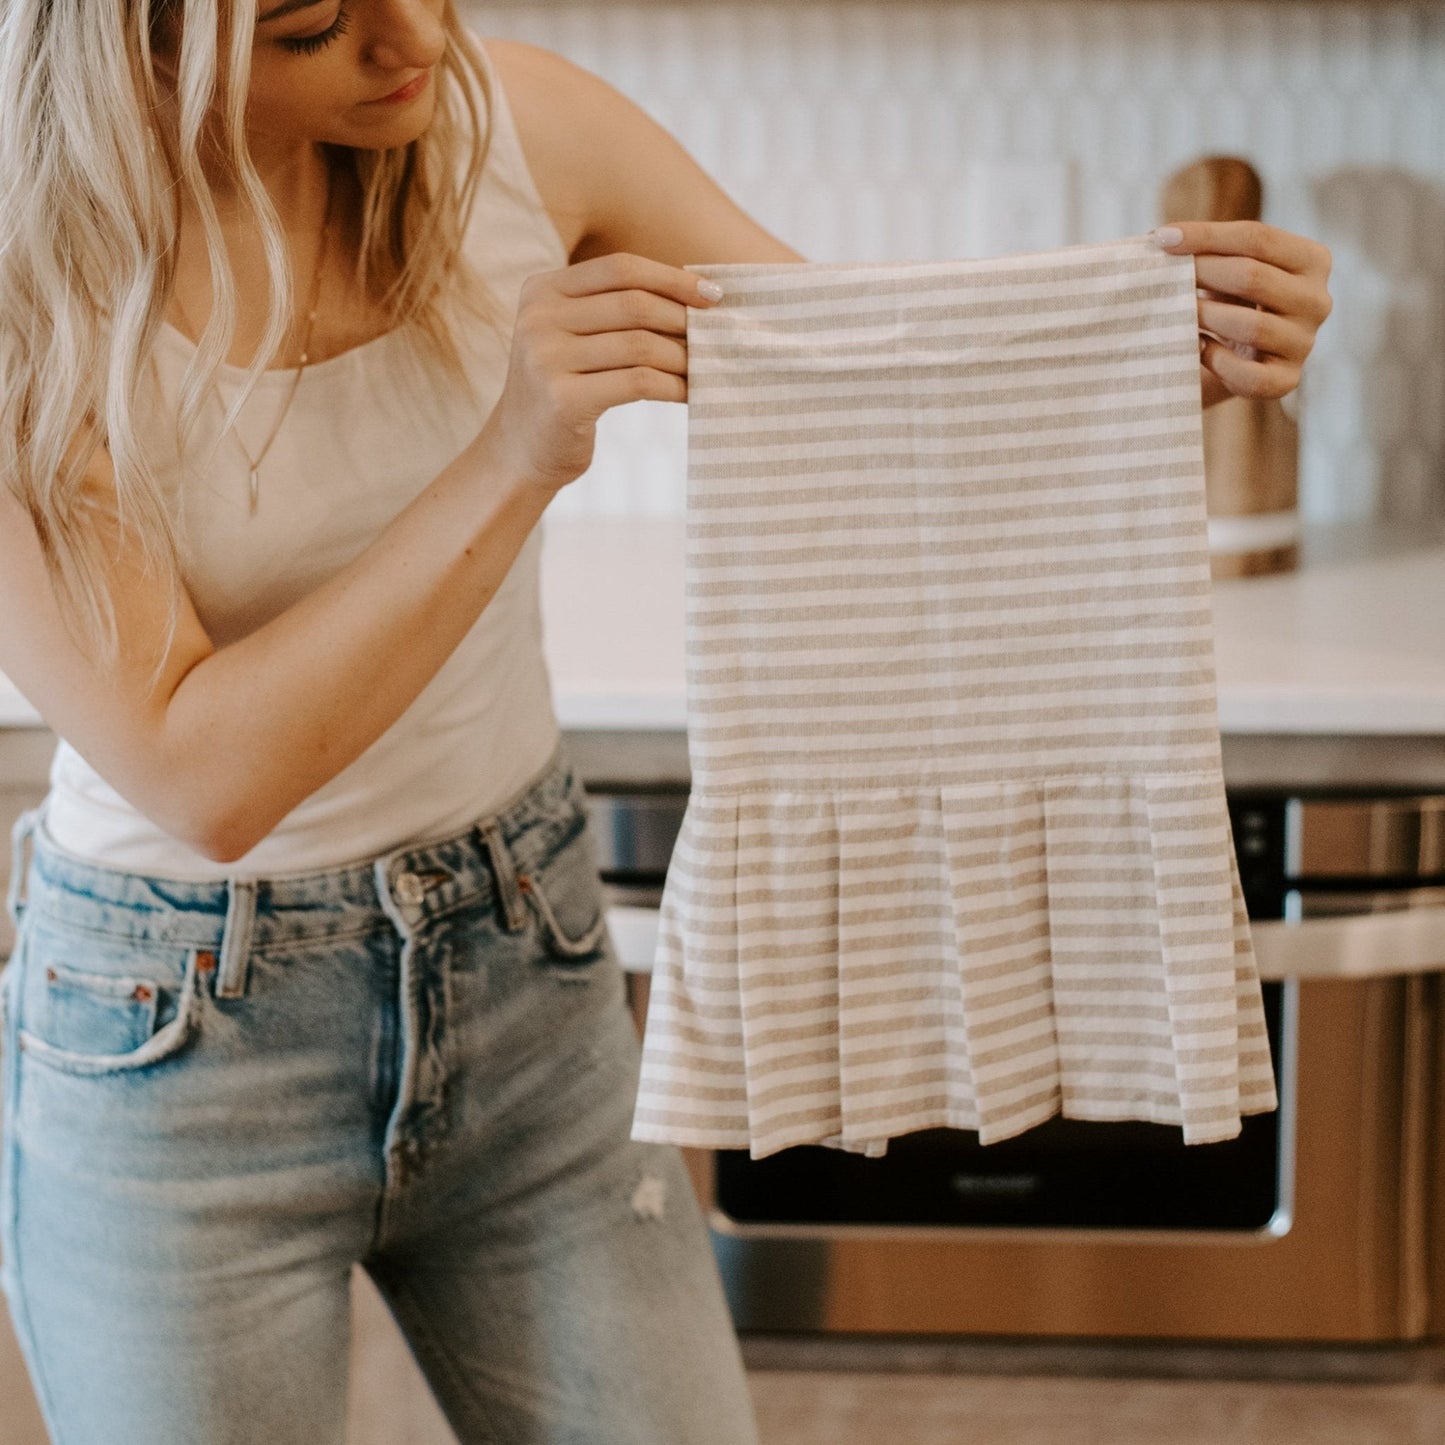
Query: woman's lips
{"x": 409, "y": 91}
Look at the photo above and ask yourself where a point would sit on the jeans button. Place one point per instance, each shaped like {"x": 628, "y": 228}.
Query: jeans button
{"x": 409, "y": 889}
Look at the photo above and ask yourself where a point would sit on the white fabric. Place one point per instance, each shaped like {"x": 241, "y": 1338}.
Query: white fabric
{"x": 367, "y": 431}
{"x": 957, "y": 851}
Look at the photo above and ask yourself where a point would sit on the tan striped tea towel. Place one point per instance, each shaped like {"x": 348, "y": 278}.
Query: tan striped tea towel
{"x": 957, "y": 851}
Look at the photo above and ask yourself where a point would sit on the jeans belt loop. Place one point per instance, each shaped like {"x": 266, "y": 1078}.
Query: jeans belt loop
{"x": 513, "y": 906}
{"x": 233, "y": 969}
{"x": 20, "y": 851}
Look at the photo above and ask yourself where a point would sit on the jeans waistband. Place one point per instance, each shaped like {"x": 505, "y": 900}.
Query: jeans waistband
{"x": 231, "y": 916}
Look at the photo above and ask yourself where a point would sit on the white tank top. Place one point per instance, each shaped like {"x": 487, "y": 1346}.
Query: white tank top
{"x": 367, "y": 431}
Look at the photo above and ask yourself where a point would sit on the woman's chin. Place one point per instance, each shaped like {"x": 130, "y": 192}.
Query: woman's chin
{"x": 391, "y": 132}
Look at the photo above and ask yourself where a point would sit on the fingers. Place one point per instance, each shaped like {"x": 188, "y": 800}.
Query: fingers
{"x": 1298, "y": 255}
{"x": 1260, "y": 284}
{"x": 622, "y": 313}
{"x": 1261, "y": 330}
{"x": 624, "y": 350}
{"x": 623, "y": 271}
{"x": 632, "y": 310}
{"x": 607, "y": 389}
{"x": 1211, "y": 388}
{"x": 1266, "y": 378}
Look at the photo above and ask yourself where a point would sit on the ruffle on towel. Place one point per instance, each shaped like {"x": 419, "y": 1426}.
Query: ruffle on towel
{"x": 843, "y": 966}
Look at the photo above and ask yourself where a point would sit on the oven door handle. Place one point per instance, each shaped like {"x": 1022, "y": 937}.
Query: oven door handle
{"x": 1353, "y": 935}
{"x": 1332, "y": 935}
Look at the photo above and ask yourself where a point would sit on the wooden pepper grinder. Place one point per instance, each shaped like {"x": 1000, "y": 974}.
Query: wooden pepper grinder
{"x": 1251, "y": 447}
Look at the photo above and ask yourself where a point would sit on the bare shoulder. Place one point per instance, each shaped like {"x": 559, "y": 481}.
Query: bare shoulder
{"x": 613, "y": 178}
{"x": 553, "y": 103}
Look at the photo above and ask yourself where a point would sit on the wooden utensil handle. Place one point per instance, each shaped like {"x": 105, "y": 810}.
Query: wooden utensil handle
{"x": 1215, "y": 188}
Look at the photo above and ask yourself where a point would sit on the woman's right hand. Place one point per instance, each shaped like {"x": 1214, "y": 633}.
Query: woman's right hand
{"x": 589, "y": 337}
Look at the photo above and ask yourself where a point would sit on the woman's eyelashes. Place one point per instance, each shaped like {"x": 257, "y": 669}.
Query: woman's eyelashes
{"x": 310, "y": 44}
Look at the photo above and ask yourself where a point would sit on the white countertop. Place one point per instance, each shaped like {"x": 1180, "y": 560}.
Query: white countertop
{"x": 1352, "y": 642}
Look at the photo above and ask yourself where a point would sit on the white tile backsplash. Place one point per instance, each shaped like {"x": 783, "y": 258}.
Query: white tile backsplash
{"x": 860, "y": 130}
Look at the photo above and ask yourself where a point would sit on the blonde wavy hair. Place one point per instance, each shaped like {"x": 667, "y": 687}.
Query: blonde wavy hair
{"x": 97, "y": 155}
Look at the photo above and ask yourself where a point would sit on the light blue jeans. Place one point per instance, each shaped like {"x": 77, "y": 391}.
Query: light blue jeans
{"x": 217, "y": 1096}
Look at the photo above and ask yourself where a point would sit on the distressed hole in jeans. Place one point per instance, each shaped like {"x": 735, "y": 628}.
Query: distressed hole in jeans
{"x": 647, "y": 1198}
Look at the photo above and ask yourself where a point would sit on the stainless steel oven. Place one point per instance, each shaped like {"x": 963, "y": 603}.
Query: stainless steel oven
{"x": 1319, "y": 1222}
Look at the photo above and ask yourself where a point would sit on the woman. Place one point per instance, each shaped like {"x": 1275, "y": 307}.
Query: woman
{"x": 311, "y": 963}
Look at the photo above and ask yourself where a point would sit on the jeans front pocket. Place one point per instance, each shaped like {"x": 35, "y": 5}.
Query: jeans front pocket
{"x": 566, "y": 893}
{"x": 96, "y": 1004}
{"x": 103, "y": 1013}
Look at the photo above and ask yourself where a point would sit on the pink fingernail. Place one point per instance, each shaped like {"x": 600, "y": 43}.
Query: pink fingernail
{"x": 1166, "y": 235}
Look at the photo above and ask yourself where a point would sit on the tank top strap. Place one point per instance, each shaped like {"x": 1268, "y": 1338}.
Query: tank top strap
{"x": 509, "y": 216}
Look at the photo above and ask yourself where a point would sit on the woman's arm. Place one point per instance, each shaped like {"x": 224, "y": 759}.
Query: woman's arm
{"x": 233, "y": 738}
{"x": 615, "y": 180}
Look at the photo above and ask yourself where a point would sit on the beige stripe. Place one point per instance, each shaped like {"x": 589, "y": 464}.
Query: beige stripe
{"x": 1146, "y": 573}
{"x": 928, "y": 346}
{"x": 914, "y": 540}
{"x": 1144, "y": 442}
{"x": 1132, "y": 676}
{"x": 1136, "y": 603}
{"x": 769, "y": 386}
{"x": 861, "y": 336}
{"x": 846, "y": 441}
{"x": 1026, "y": 615}
{"x": 1106, "y": 380}
{"x": 921, "y": 521}
{"x": 816, "y": 768}
{"x": 1084, "y": 481}
{"x": 1025, "y": 719}
{"x": 1102, "y": 306}
{"x": 1037, "y": 478}
{"x": 1061, "y": 276}
{"x": 956, "y": 539}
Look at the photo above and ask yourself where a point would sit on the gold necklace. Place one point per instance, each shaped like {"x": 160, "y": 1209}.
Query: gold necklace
{"x": 255, "y": 463}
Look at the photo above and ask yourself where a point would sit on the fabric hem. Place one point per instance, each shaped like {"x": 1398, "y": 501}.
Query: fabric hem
{"x": 1079, "y": 938}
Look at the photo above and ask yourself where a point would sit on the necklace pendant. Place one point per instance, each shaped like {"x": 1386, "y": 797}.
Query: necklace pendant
{"x": 255, "y": 485}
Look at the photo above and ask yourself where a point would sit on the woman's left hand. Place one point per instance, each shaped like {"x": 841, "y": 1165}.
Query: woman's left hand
{"x": 1263, "y": 298}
